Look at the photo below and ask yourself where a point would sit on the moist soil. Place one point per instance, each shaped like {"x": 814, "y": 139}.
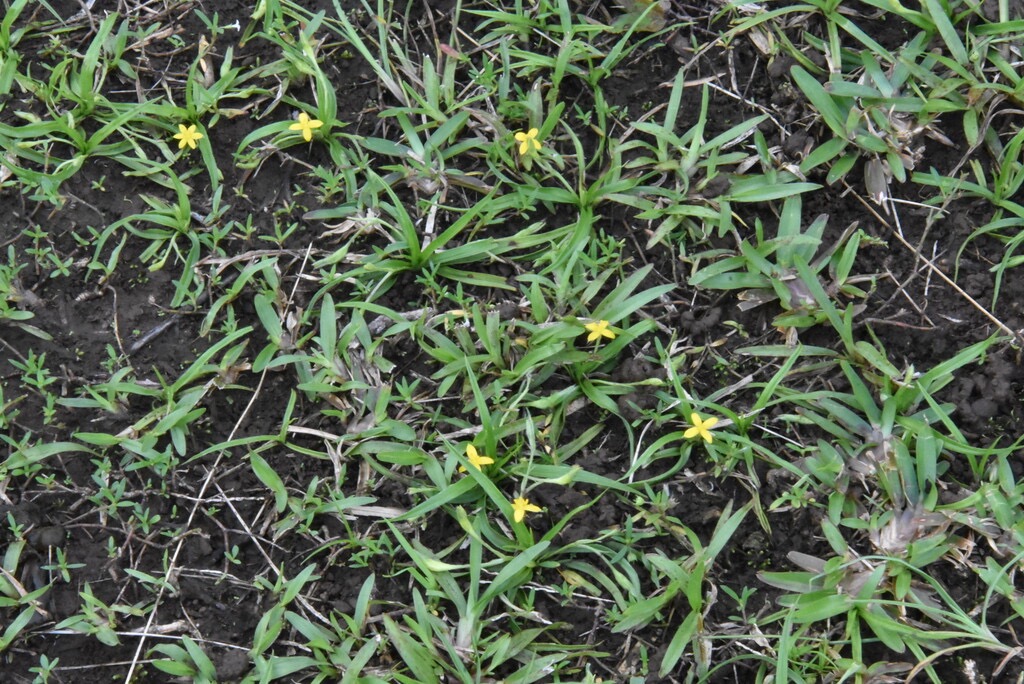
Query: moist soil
{"x": 920, "y": 319}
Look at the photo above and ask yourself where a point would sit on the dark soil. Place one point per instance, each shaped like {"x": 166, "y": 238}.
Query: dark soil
{"x": 920, "y": 320}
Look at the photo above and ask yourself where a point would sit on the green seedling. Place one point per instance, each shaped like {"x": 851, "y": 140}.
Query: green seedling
{"x": 768, "y": 269}
{"x": 14, "y": 298}
{"x": 190, "y": 661}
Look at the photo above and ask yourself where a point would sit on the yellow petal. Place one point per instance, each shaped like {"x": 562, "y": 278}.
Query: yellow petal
{"x": 520, "y": 506}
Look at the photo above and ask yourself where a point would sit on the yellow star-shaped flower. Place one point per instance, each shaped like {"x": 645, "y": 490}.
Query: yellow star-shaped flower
{"x": 598, "y": 330}
{"x": 306, "y": 125}
{"x": 476, "y": 459}
{"x": 701, "y": 428}
{"x": 521, "y": 506}
{"x": 187, "y": 136}
{"x": 528, "y": 142}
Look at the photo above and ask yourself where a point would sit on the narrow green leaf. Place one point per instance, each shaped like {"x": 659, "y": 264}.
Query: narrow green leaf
{"x": 946, "y": 29}
{"x": 271, "y": 479}
{"x": 821, "y": 100}
{"x": 511, "y": 573}
{"x": 683, "y": 636}
{"x": 414, "y": 654}
{"x": 762, "y": 190}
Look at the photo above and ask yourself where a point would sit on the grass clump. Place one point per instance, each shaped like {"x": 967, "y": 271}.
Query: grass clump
{"x": 400, "y": 342}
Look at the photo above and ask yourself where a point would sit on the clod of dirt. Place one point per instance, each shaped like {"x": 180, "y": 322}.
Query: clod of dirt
{"x": 984, "y": 408}
{"x": 693, "y": 325}
{"x": 797, "y": 145}
{"x": 780, "y": 66}
{"x": 633, "y": 370}
{"x": 987, "y": 393}
{"x": 231, "y": 665}
{"x": 507, "y": 309}
{"x": 43, "y": 537}
{"x": 197, "y": 549}
{"x": 719, "y": 185}
{"x": 633, "y": 405}
{"x": 817, "y": 58}
{"x": 978, "y": 285}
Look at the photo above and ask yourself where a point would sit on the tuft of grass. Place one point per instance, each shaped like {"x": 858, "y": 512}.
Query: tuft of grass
{"x": 410, "y": 310}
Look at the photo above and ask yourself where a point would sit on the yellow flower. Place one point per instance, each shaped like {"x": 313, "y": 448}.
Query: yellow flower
{"x": 521, "y": 506}
{"x": 528, "y": 142}
{"x": 187, "y": 136}
{"x": 598, "y": 330}
{"x": 475, "y": 459}
{"x": 701, "y": 428}
{"x": 306, "y": 125}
